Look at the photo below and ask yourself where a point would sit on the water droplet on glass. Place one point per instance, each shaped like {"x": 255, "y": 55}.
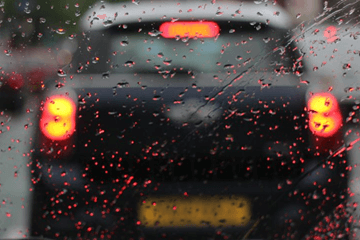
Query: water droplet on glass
{"x": 129, "y": 64}
{"x": 154, "y": 33}
{"x": 107, "y": 23}
{"x": 228, "y": 66}
{"x": 61, "y": 73}
{"x": 7, "y": 52}
{"x": 77, "y": 13}
{"x": 95, "y": 60}
{"x": 42, "y": 20}
{"x": 347, "y": 66}
{"x": 106, "y": 75}
{"x": 219, "y": 13}
{"x": 167, "y": 62}
{"x": 124, "y": 43}
{"x": 29, "y": 20}
{"x": 122, "y": 84}
{"x": 60, "y": 31}
{"x": 266, "y": 40}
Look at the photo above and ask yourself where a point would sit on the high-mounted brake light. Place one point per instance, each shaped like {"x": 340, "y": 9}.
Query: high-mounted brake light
{"x": 57, "y": 121}
{"x": 189, "y": 29}
{"x": 324, "y": 115}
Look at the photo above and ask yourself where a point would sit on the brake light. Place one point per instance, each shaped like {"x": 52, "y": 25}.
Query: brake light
{"x": 189, "y": 29}
{"x": 57, "y": 121}
{"x": 324, "y": 115}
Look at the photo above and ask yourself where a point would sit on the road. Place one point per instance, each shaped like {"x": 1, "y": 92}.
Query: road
{"x": 15, "y": 188}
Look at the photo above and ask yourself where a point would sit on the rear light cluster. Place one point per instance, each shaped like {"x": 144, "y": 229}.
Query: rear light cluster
{"x": 57, "y": 121}
{"x": 33, "y": 80}
{"x": 15, "y": 81}
{"x": 325, "y": 117}
{"x": 189, "y": 29}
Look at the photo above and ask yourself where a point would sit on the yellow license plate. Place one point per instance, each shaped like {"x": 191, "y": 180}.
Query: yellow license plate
{"x": 194, "y": 211}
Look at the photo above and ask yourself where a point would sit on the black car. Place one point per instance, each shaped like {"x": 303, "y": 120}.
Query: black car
{"x": 188, "y": 120}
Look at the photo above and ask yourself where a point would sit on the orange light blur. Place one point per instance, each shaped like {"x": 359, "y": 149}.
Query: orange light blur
{"x": 324, "y": 115}
{"x": 189, "y": 29}
{"x": 194, "y": 211}
{"x": 322, "y": 103}
{"x": 58, "y": 118}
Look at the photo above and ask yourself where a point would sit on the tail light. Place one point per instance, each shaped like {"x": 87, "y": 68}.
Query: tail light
{"x": 325, "y": 118}
{"x": 15, "y": 81}
{"x": 189, "y": 29}
{"x": 57, "y": 121}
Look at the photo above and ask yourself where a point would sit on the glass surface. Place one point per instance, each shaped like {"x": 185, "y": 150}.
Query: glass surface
{"x": 245, "y": 126}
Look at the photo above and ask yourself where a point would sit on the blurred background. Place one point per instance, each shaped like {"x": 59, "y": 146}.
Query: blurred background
{"x": 32, "y": 27}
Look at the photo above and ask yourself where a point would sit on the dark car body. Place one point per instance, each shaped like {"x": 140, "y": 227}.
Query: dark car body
{"x": 171, "y": 140}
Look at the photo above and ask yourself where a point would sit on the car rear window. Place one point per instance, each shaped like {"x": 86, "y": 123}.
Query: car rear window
{"x": 143, "y": 48}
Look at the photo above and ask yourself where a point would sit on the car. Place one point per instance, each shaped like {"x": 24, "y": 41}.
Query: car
{"x": 20, "y": 77}
{"x": 188, "y": 120}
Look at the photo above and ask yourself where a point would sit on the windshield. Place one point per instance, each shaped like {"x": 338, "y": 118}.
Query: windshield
{"x": 148, "y": 120}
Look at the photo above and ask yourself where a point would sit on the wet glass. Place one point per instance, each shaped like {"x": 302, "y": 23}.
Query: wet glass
{"x": 179, "y": 120}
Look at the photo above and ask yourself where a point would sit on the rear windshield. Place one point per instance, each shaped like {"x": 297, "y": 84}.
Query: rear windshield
{"x": 141, "y": 47}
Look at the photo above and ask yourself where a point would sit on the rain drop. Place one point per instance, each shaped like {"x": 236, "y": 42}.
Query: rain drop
{"x": 60, "y": 31}
{"x": 129, "y": 64}
{"x": 154, "y": 33}
{"x": 107, "y": 23}
{"x": 106, "y": 75}
{"x": 61, "y": 73}
{"x": 124, "y": 43}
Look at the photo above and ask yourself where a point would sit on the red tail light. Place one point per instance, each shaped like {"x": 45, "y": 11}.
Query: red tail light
{"x": 324, "y": 115}
{"x": 57, "y": 121}
{"x": 15, "y": 81}
{"x": 189, "y": 29}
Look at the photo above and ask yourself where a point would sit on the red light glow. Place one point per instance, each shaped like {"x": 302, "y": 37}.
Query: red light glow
{"x": 324, "y": 115}
{"x": 16, "y": 81}
{"x": 189, "y": 29}
{"x": 58, "y": 118}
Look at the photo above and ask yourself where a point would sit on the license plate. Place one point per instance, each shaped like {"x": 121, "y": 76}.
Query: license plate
{"x": 194, "y": 211}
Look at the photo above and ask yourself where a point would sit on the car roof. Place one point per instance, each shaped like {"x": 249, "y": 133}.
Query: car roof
{"x": 103, "y": 15}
